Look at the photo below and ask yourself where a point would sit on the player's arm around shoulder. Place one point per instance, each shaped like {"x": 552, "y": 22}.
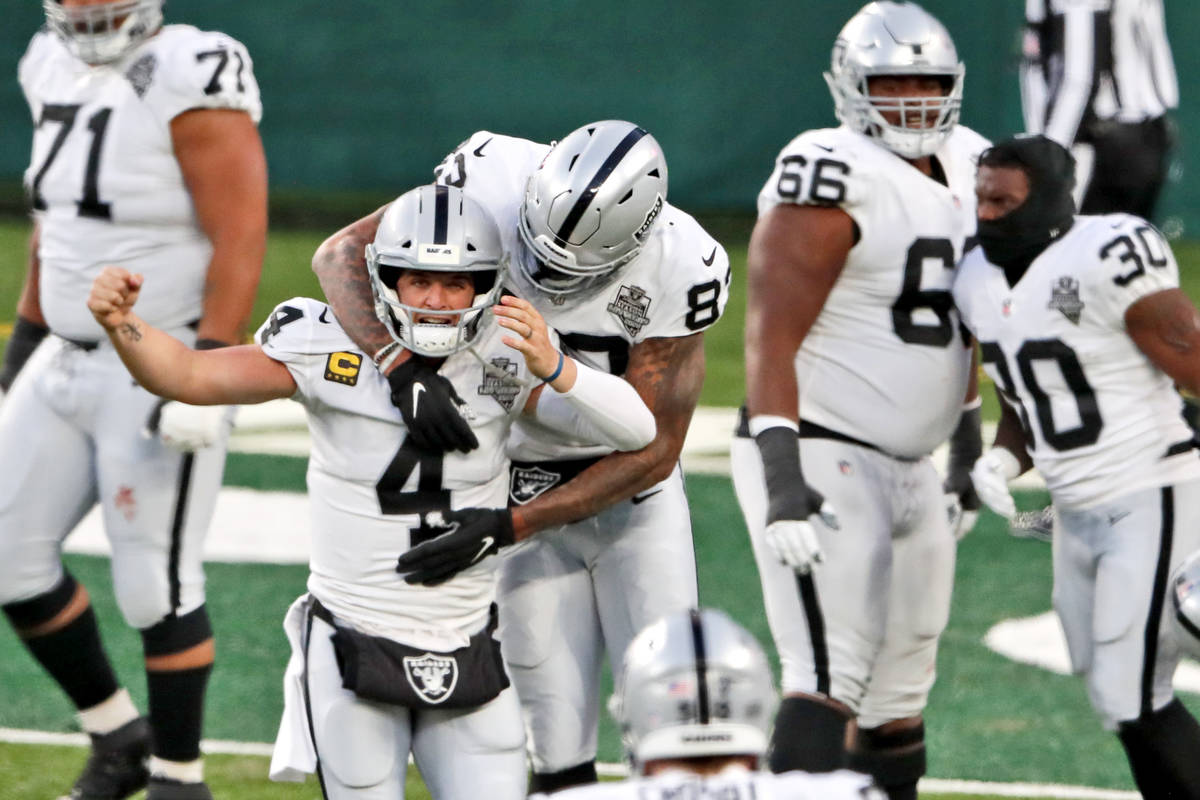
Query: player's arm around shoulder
{"x": 169, "y": 368}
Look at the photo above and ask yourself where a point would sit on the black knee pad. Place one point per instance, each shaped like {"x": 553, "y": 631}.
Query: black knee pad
{"x": 27, "y": 614}
{"x": 547, "y": 782}
{"x": 894, "y": 757}
{"x": 809, "y": 735}
{"x": 176, "y": 634}
{"x": 1162, "y": 747}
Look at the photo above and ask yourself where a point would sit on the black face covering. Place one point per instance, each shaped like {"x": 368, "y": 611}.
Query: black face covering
{"x": 1013, "y": 241}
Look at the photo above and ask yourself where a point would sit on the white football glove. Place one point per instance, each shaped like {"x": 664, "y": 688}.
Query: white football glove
{"x": 991, "y": 474}
{"x": 795, "y": 543}
{"x": 961, "y": 520}
{"x": 187, "y": 428}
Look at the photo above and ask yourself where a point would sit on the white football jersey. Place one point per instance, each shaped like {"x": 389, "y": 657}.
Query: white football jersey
{"x": 884, "y": 361}
{"x": 1102, "y": 419}
{"x": 103, "y": 179}
{"x": 732, "y": 784}
{"x": 678, "y": 285}
{"x": 367, "y": 485}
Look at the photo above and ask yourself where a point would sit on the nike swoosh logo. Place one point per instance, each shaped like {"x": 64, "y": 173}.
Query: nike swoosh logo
{"x": 322, "y": 317}
{"x": 417, "y": 389}
{"x": 1113, "y": 519}
{"x": 641, "y": 498}
{"x": 823, "y": 147}
{"x": 487, "y": 543}
{"x": 711, "y": 258}
{"x": 479, "y": 150}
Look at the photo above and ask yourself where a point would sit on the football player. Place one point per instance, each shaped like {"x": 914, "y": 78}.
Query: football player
{"x": 850, "y": 267}
{"x": 380, "y": 667}
{"x": 1085, "y": 331}
{"x": 694, "y": 702}
{"x": 630, "y": 283}
{"x": 145, "y": 152}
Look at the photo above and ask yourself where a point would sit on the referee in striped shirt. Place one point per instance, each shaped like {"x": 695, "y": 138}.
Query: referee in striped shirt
{"x": 1097, "y": 77}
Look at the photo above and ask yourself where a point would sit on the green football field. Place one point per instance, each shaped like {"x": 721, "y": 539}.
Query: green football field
{"x": 989, "y": 719}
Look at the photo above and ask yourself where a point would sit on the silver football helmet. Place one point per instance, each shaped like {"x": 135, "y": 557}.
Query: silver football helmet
{"x": 896, "y": 38}
{"x": 694, "y": 684}
{"x": 590, "y": 206}
{"x": 436, "y": 229}
{"x": 1185, "y": 604}
{"x": 102, "y": 33}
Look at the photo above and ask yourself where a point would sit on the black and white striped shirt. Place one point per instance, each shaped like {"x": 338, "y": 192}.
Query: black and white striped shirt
{"x": 1088, "y": 60}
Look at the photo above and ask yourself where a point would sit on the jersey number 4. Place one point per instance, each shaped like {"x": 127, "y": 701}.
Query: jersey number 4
{"x": 429, "y": 495}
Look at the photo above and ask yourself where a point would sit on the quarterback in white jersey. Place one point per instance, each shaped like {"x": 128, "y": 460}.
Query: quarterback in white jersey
{"x": 694, "y": 703}
{"x": 381, "y": 666}
{"x": 145, "y": 153}
{"x": 1085, "y": 332}
{"x": 629, "y": 283}
{"x": 850, "y": 267}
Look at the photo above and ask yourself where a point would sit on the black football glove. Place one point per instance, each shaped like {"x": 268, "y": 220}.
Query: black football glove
{"x": 430, "y": 408}
{"x": 472, "y": 535}
{"x": 966, "y": 445}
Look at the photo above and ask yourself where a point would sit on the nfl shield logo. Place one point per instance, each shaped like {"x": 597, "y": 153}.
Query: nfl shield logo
{"x": 432, "y": 677}
{"x": 527, "y": 483}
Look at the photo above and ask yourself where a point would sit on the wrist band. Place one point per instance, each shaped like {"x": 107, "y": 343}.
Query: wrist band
{"x": 557, "y": 370}
{"x": 386, "y": 355}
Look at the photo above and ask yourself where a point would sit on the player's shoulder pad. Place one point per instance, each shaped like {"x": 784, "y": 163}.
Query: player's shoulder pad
{"x": 966, "y": 142}
{"x": 43, "y": 48}
{"x": 184, "y": 68}
{"x": 824, "y": 167}
{"x": 690, "y": 254}
{"x": 489, "y": 148}
{"x": 302, "y": 326}
{"x": 1128, "y": 247}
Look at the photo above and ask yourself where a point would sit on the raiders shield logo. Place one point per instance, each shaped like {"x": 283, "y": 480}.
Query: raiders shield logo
{"x": 494, "y": 383}
{"x": 630, "y": 307}
{"x": 524, "y": 484}
{"x": 1064, "y": 296}
{"x": 141, "y": 74}
{"x": 432, "y": 677}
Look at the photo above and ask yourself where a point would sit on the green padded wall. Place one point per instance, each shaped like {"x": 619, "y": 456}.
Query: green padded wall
{"x": 370, "y": 94}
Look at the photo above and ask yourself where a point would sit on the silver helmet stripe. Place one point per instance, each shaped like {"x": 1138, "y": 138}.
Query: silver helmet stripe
{"x": 701, "y": 665}
{"x": 585, "y": 198}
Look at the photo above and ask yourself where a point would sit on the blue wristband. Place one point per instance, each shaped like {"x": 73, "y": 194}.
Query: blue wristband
{"x": 557, "y": 370}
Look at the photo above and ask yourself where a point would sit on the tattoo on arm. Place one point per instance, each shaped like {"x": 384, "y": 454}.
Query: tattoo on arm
{"x": 341, "y": 267}
{"x": 667, "y": 373}
{"x": 130, "y": 331}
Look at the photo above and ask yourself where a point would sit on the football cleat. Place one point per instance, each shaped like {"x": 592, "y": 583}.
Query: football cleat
{"x": 167, "y": 789}
{"x": 116, "y": 767}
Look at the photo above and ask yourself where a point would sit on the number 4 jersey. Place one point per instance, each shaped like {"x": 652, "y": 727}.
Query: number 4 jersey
{"x": 103, "y": 179}
{"x": 884, "y": 362}
{"x": 367, "y": 486}
{"x": 1102, "y": 420}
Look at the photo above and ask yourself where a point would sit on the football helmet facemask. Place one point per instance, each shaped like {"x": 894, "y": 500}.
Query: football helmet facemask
{"x": 436, "y": 229}
{"x": 694, "y": 684}
{"x": 591, "y": 205}
{"x": 1185, "y": 604}
{"x": 103, "y": 33}
{"x": 901, "y": 39}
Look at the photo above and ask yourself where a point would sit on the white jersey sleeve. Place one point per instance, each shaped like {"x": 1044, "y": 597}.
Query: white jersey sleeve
{"x": 1136, "y": 262}
{"x": 815, "y": 169}
{"x": 198, "y": 70}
